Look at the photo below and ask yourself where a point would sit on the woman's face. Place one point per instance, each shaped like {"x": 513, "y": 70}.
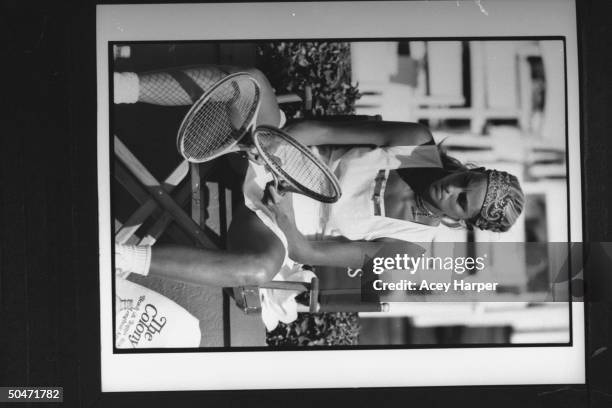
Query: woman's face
{"x": 458, "y": 196}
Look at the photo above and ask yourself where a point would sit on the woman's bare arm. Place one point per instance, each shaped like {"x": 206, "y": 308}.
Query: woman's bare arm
{"x": 351, "y": 254}
{"x": 373, "y": 133}
{"x": 334, "y": 252}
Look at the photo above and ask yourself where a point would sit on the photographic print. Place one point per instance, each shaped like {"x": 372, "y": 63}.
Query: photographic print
{"x": 479, "y": 110}
{"x": 400, "y": 195}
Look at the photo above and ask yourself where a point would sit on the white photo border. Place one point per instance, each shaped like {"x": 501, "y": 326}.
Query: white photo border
{"x": 179, "y": 371}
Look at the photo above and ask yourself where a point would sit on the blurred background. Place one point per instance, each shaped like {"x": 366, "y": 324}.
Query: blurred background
{"x": 498, "y": 104}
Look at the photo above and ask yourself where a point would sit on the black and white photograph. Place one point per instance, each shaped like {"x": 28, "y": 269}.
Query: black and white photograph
{"x": 302, "y": 191}
{"x": 306, "y": 203}
{"x": 421, "y": 142}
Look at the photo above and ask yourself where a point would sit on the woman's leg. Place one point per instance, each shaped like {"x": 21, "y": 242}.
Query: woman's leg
{"x": 161, "y": 88}
{"x": 253, "y": 257}
{"x": 255, "y": 254}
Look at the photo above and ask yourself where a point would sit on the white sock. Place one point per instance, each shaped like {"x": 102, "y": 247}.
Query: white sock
{"x": 126, "y": 86}
{"x": 132, "y": 259}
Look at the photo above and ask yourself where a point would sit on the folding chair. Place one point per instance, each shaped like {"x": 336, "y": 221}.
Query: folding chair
{"x": 164, "y": 201}
{"x": 319, "y": 300}
{"x": 156, "y": 200}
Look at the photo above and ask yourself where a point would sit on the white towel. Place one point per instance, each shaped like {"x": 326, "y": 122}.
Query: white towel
{"x": 276, "y": 305}
{"x": 280, "y": 305}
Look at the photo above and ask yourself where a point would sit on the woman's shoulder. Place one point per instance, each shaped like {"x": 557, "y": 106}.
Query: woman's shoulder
{"x": 427, "y": 155}
{"x": 381, "y": 158}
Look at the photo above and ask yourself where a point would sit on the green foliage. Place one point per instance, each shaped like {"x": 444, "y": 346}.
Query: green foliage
{"x": 317, "y": 329}
{"x": 323, "y": 67}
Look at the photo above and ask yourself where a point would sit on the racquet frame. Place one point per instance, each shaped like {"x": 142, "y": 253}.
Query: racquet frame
{"x": 284, "y": 182}
{"x": 204, "y": 99}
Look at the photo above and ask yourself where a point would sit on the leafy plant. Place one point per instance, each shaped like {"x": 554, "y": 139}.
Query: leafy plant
{"x": 317, "y": 329}
{"x": 322, "y": 67}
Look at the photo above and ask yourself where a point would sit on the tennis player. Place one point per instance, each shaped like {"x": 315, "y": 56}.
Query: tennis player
{"x": 398, "y": 187}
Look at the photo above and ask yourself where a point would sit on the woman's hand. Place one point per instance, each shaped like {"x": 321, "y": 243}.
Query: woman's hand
{"x": 281, "y": 205}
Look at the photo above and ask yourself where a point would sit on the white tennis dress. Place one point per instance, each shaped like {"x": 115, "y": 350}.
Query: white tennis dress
{"x": 353, "y": 216}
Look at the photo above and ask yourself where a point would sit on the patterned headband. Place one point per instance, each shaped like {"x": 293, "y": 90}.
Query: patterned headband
{"x": 492, "y": 213}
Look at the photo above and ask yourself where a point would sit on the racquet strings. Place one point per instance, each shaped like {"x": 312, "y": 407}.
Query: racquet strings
{"x": 219, "y": 119}
{"x": 296, "y": 164}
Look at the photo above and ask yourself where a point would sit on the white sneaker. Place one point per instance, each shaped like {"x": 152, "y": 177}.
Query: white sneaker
{"x": 132, "y": 259}
{"x": 121, "y": 262}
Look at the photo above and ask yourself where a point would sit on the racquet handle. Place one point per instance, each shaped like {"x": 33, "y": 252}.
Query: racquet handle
{"x": 281, "y": 187}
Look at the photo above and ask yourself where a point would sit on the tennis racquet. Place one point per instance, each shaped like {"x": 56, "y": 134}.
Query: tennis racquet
{"x": 222, "y": 116}
{"x": 218, "y": 123}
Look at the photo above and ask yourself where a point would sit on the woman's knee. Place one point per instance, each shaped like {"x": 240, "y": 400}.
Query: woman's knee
{"x": 269, "y": 113}
{"x": 262, "y": 250}
{"x": 259, "y": 76}
{"x": 263, "y": 268}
